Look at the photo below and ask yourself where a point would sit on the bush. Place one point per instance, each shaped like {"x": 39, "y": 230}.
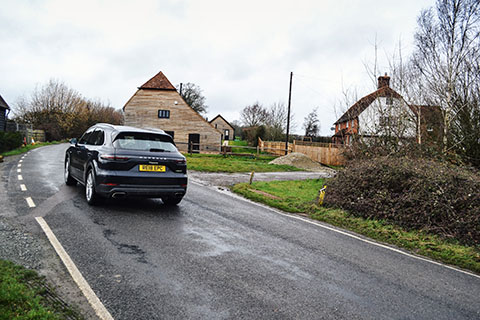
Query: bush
{"x": 10, "y": 140}
{"x": 416, "y": 194}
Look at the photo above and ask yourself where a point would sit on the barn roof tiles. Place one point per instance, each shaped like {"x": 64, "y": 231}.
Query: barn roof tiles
{"x": 158, "y": 82}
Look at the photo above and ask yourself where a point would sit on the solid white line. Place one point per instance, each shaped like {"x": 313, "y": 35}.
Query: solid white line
{"x": 23, "y": 187}
{"x": 30, "y": 202}
{"x": 20, "y": 177}
{"x": 19, "y": 170}
{"x": 341, "y": 232}
{"x": 87, "y": 291}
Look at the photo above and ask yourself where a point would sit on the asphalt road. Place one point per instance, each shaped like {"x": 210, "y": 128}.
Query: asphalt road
{"x": 216, "y": 256}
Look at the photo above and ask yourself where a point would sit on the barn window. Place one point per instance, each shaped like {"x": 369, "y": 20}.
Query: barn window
{"x": 164, "y": 114}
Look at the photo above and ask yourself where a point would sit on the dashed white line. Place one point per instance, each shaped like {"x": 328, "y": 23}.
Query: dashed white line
{"x": 19, "y": 170}
{"x": 20, "y": 178}
{"x": 23, "y": 187}
{"x": 30, "y": 202}
{"x": 87, "y": 291}
{"x": 19, "y": 165}
{"x": 21, "y": 160}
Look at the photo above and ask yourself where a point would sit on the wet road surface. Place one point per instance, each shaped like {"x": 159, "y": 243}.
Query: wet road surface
{"x": 216, "y": 256}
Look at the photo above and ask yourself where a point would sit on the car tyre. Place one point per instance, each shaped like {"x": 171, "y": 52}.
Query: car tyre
{"x": 171, "y": 201}
{"x": 90, "y": 193}
{"x": 69, "y": 180}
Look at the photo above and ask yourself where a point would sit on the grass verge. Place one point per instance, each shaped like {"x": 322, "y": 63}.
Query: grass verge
{"x": 219, "y": 163}
{"x": 25, "y": 295}
{"x": 300, "y": 196}
{"x": 29, "y": 147}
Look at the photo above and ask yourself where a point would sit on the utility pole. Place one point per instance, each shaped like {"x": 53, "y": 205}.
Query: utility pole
{"x": 288, "y": 115}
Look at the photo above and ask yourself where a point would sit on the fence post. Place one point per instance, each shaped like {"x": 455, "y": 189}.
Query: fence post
{"x": 258, "y": 151}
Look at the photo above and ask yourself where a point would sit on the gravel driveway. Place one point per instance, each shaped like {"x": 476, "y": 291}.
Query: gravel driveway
{"x": 229, "y": 179}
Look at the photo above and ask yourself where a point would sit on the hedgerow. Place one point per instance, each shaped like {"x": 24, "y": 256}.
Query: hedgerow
{"x": 420, "y": 194}
{"x": 10, "y": 140}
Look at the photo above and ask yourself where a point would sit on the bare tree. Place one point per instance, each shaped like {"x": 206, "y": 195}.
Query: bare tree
{"x": 311, "y": 124}
{"x": 253, "y": 115}
{"x": 276, "y": 122}
{"x": 447, "y": 47}
{"x": 62, "y": 112}
{"x": 192, "y": 94}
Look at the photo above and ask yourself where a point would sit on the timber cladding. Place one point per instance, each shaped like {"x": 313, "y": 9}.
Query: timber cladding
{"x": 166, "y": 110}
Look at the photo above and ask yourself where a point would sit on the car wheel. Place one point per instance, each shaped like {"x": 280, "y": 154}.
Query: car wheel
{"x": 171, "y": 201}
{"x": 69, "y": 180}
{"x": 90, "y": 193}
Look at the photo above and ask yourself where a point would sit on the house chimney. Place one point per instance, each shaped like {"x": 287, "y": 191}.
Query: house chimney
{"x": 383, "y": 81}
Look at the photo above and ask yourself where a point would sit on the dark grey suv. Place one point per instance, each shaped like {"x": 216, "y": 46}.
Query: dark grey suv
{"x": 119, "y": 161}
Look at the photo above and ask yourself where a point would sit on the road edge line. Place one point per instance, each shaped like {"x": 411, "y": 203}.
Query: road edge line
{"x": 348, "y": 234}
{"x": 82, "y": 284}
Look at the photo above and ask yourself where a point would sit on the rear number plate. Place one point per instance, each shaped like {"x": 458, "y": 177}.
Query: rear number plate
{"x": 151, "y": 168}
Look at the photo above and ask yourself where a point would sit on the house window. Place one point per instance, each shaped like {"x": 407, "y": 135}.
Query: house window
{"x": 165, "y": 114}
{"x": 216, "y": 126}
{"x": 226, "y": 134}
{"x": 389, "y": 101}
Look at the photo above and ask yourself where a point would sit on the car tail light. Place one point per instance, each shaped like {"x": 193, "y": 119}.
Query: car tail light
{"x": 180, "y": 161}
{"x": 111, "y": 157}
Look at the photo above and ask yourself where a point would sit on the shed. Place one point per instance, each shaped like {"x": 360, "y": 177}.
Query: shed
{"x": 4, "y": 110}
{"x": 228, "y": 131}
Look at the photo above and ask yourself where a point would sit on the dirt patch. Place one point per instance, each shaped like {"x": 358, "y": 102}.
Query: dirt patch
{"x": 299, "y": 160}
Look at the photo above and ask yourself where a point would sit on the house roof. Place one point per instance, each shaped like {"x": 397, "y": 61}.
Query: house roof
{"x": 3, "y": 104}
{"x": 362, "y": 104}
{"x": 219, "y": 116}
{"x": 158, "y": 82}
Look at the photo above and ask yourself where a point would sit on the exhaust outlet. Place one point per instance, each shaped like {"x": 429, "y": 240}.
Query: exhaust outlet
{"x": 118, "y": 195}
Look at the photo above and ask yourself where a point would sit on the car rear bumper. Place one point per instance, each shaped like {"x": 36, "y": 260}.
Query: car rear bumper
{"x": 119, "y": 191}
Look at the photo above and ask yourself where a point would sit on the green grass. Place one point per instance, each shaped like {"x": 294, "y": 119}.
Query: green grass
{"x": 219, "y": 163}
{"x": 28, "y": 147}
{"x": 300, "y": 197}
{"x": 22, "y": 294}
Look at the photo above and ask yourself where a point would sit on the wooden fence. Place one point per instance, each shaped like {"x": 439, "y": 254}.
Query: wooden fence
{"x": 325, "y": 153}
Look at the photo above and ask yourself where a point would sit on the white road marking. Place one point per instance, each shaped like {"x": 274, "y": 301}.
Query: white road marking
{"x": 20, "y": 178}
{"x": 19, "y": 165}
{"x": 292, "y": 216}
{"x": 30, "y": 202}
{"x": 21, "y": 160}
{"x": 23, "y": 187}
{"x": 19, "y": 170}
{"x": 87, "y": 291}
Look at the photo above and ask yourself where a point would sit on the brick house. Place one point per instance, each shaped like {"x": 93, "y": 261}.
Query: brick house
{"x": 228, "y": 132}
{"x": 4, "y": 110}
{"x": 385, "y": 112}
{"x": 157, "y": 104}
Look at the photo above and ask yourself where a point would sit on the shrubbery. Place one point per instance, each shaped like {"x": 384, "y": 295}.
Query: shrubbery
{"x": 10, "y": 140}
{"x": 413, "y": 193}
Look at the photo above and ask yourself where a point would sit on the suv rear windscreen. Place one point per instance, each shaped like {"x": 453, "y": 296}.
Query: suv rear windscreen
{"x": 143, "y": 141}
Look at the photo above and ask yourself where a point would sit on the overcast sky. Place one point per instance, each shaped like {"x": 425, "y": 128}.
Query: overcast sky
{"x": 238, "y": 52}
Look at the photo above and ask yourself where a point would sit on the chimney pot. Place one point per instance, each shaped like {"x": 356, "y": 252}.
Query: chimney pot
{"x": 383, "y": 81}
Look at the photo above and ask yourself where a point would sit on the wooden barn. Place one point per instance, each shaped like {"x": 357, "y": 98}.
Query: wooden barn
{"x": 4, "y": 109}
{"x": 227, "y": 130}
{"x": 157, "y": 104}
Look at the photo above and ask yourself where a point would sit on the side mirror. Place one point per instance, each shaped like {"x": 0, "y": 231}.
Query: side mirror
{"x": 73, "y": 141}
